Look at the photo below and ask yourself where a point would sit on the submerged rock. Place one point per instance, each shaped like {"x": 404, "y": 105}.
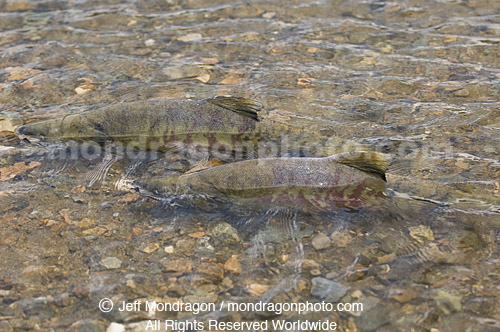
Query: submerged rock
{"x": 115, "y": 327}
{"x": 224, "y": 234}
{"x": 321, "y": 241}
{"x": 111, "y": 263}
{"x": 327, "y": 290}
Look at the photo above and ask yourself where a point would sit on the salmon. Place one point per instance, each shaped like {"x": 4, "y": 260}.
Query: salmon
{"x": 352, "y": 179}
{"x": 220, "y": 124}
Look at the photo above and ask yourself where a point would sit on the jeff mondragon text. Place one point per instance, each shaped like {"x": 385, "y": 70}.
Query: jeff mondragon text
{"x": 259, "y": 306}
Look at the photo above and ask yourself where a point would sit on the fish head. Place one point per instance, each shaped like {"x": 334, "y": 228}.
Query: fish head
{"x": 39, "y": 130}
{"x": 64, "y": 128}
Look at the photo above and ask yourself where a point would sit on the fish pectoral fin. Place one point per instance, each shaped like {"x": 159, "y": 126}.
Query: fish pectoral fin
{"x": 374, "y": 163}
{"x": 241, "y": 106}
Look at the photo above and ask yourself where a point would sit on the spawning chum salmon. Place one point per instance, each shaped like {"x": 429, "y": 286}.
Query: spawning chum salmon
{"x": 350, "y": 179}
{"x": 160, "y": 124}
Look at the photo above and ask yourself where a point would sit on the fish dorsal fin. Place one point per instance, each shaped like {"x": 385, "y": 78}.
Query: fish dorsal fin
{"x": 374, "y": 163}
{"x": 241, "y": 106}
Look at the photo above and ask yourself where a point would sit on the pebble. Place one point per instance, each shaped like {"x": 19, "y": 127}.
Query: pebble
{"x": 209, "y": 61}
{"x": 86, "y": 325}
{"x": 106, "y": 205}
{"x": 151, "y": 248}
{"x": 33, "y": 306}
{"x": 138, "y": 326}
{"x": 136, "y": 231}
{"x": 111, "y": 262}
{"x": 190, "y": 37}
{"x": 204, "y": 78}
{"x": 340, "y": 239}
{"x": 9, "y": 124}
{"x": 357, "y": 294}
{"x": 302, "y": 285}
{"x": 19, "y": 168}
{"x": 186, "y": 246}
{"x": 211, "y": 270}
{"x": 149, "y": 42}
{"x": 384, "y": 47}
{"x": 78, "y": 199}
{"x": 196, "y": 235}
{"x": 421, "y": 233}
{"x": 310, "y": 264}
{"x": 269, "y": 14}
{"x": 89, "y": 238}
{"x": 233, "y": 265}
{"x": 387, "y": 258}
{"x": 404, "y": 295}
{"x": 81, "y": 291}
{"x": 19, "y": 73}
{"x": 130, "y": 198}
{"x": 315, "y": 272}
{"x": 96, "y": 231}
{"x": 304, "y": 81}
{"x": 328, "y": 290}
{"x": 374, "y": 318}
{"x": 227, "y": 283}
{"x": 321, "y": 241}
{"x": 231, "y": 80}
{"x": 85, "y": 223}
{"x": 179, "y": 265}
{"x": 62, "y": 300}
{"x": 448, "y": 302}
{"x": 169, "y": 249}
{"x": 204, "y": 246}
{"x": 85, "y": 87}
{"x": 367, "y": 61}
{"x": 182, "y": 72}
{"x": 257, "y": 289}
{"x": 224, "y": 234}
{"x": 115, "y": 327}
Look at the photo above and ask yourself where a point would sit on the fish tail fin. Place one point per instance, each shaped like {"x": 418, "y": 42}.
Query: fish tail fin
{"x": 374, "y": 163}
{"x": 241, "y": 106}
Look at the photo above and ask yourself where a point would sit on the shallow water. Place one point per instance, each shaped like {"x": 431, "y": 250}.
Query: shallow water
{"x": 416, "y": 79}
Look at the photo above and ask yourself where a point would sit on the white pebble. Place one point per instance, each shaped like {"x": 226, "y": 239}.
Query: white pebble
{"x": 150, "y": 42}
{"x": 115, "y": 327}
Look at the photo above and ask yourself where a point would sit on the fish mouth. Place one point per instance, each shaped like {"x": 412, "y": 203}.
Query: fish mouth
{"x": 21, "y": 131}
{"x": 24, "y": 134}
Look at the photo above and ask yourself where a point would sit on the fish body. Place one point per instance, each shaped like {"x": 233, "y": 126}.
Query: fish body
{"x": 353, "y": 179}
{"x": 219, "y": 123}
